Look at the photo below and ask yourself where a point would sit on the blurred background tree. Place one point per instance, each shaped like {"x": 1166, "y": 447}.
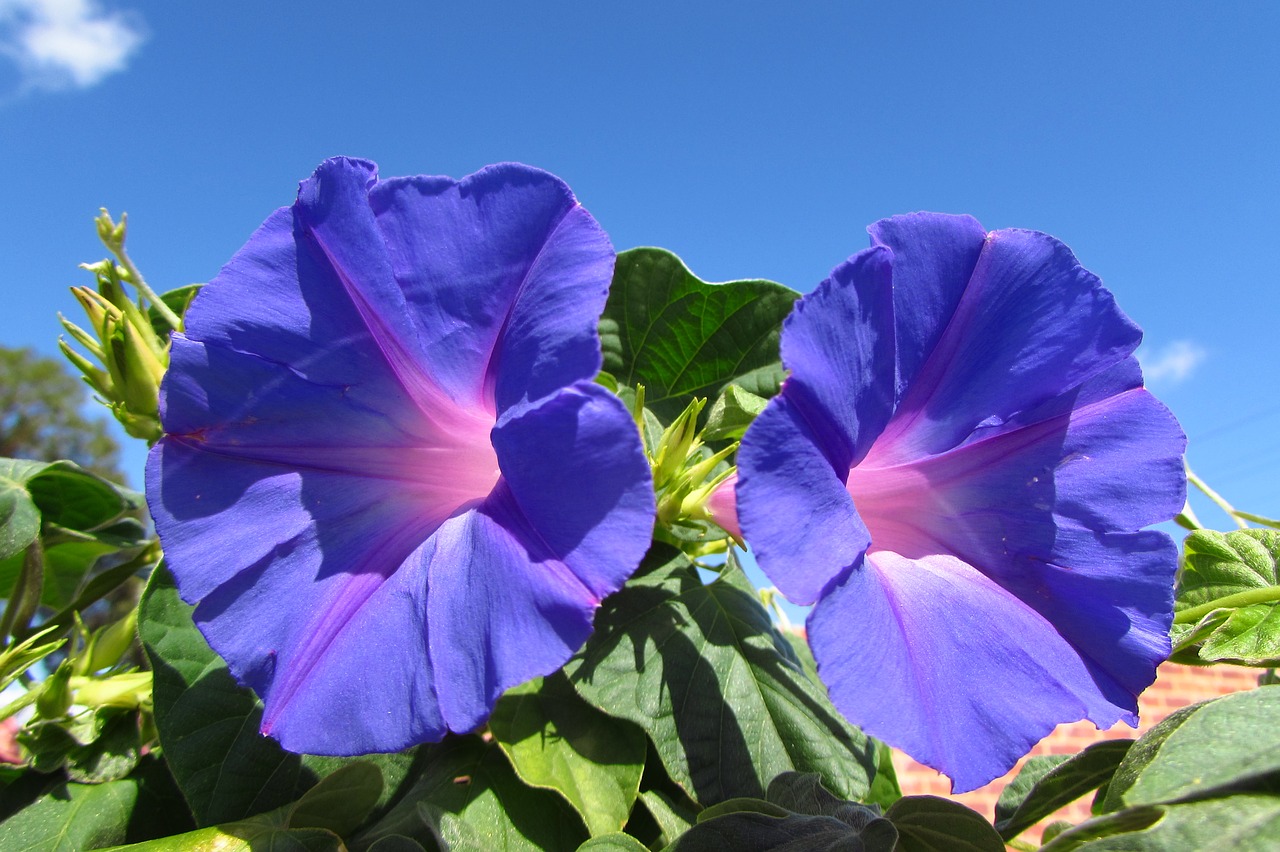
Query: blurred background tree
{"x": 42, "y": 415}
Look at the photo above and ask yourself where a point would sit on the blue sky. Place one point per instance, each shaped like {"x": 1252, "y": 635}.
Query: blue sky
{"x": 752, "y": 142}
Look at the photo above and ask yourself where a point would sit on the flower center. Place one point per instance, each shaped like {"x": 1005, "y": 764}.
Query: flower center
{"x": 456, "y": 465}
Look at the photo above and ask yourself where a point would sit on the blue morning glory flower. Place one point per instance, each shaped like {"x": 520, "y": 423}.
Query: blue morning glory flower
{"x": 387, "y": 479}
{"x": 957, "y": 472}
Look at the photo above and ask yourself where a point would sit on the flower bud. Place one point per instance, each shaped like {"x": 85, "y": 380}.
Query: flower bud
{"x": 54, "y": 699}
{"x": 111, "y": 234}
{"x": 139, "y": 369}
{"x": 678, "y": 441}
{"x": 144, "y": 426}
{"x": 108, "y": 644}
{"x": 96, "y": 308}
{"x": 97, "y": 379}
{"x": 132, "y": 689}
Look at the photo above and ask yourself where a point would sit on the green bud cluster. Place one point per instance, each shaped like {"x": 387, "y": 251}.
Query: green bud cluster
{"x": 92, "y": 676}
{"x": 685, "y": 471}
{"x": 131, "y": 356}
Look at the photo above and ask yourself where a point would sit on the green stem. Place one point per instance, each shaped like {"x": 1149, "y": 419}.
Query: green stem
{"x": 98, "y": 588}
{"x": 25, "y": 597}
{"x": 1187, "y": 518}
{"x": 1239, "y": 599}
{"x": 1215, "y": 497}
{"x": 26, "y": 699}
{"x": 135, "y": 277}
{"x": 1021, "y": 845}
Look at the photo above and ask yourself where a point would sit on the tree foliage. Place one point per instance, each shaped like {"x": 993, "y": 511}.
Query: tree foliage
{"x": 42, "y": 415}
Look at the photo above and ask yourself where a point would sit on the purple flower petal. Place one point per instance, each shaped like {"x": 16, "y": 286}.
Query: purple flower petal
{"x": 522, "y": 324}
{"x": 579, "y": 480}
{"x": 1030, "y": 324}
{"x": 792, "y": 504}
{"x": 503, "y": 609}
{"x": 1001, "y": 581}
{"x": 836, "y": 342}
{"x": 934, "y": 255}
{"x": 791, "y": 499}
{"x": 363, "y": 420}
{"x": 935, "y": 658}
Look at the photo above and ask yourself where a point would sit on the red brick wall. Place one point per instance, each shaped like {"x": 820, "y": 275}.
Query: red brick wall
{"x": 1176, "y": 686}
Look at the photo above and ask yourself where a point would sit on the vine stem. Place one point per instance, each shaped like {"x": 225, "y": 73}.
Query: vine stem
{"x": 135, "y": 277}
{"x": 1215, "y": 497}
{"x": 1239, "y": 599}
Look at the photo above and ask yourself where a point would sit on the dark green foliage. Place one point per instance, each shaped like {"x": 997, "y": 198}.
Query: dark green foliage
{"x": 1049, "y": 782}
{"x": 682, "y": 338}
{"x": 715, "y": 686}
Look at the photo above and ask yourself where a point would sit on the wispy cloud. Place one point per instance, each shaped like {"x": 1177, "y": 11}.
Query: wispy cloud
{"x": 66, "y": 44}
{"x": 1172, "y": 363}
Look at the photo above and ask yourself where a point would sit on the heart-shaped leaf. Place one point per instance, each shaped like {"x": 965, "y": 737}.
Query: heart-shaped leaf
{"x": 718, "y": 690}
{"x": 467, "y": 798}
{"x": 682, "y": 337}
{"x": 556, "y": 740}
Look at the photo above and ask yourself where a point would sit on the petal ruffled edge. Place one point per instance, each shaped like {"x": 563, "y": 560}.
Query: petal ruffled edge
{"x": 792, "y": 504}
{"x": 932, "y": 657}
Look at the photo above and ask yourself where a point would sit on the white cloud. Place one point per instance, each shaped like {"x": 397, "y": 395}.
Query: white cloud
{"x": 1171, "y": 363}
{"x": 61, "y": 44}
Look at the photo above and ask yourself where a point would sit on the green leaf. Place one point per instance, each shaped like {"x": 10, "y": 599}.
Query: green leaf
{"x": 1087, "y": 833}
{"x": 467, "y": 798}
{"x": 17, "y": 658}
{"x": 1140, "y": 755}
{"x": 747, "y": 831}
{"x": 260, "y": 834}
{"x": 673, "y": 815}
{"x": 396, "y": 843}
{"x": 68, "y": 504}
{"x": 65, "y": 567}
{"x": 72, "y": 497}
{"x": 100, "y": 585}
{"x": 398, "y": 770}
{"x": 731, "y": 414}
{"x": 799, "y": 814}
{"x": 1241, "y": 823}
{"x": 682, "y": 338}
{"x": 208, "y": 725}
{"x": 341, "y": 801}
{"x": 803, "y": 654}
{"x": 113, "y": 753}
{"x": 315, "y": 823}
{"x": 178, "y": 300}
{"x": 1048, "y": 782}
{"x": 743, "y": 805}
{"x": 615, "y": 842}
{"x": 1229, "y": 742}
{"x": 71, "y": 818}
{"x": 933, "y": 824}
{"x": 160, "y": 810}
{"x": 1227, "y": 595}
{"x": 19, "y": 517}
{"x": 556, "y": 740}
{"x": 718, "y": 690}
{"x": 803, "y": 793}
{"x": 884, "y": 787}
